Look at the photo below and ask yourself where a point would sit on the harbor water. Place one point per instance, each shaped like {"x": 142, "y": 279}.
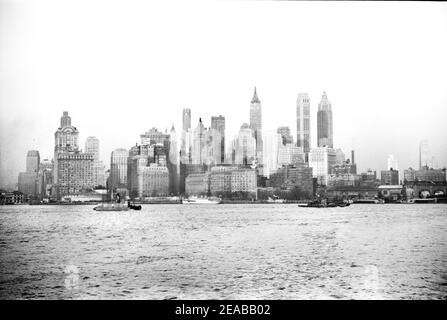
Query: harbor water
{"x": 228, "y": 251}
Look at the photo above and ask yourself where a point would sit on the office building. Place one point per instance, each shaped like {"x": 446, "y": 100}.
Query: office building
{"x": 256, "y": 124}
{"x": 389, "y": 177}
{"x": 218, "y": 128}
{"x": 321, "y": 159}
{"x": 303, "y": 122}
{"x": 118, "y": 168}
{"x": 324, "y": 123}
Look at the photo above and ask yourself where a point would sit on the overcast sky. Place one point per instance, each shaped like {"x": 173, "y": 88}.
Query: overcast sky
{"x": 122, "y": 67}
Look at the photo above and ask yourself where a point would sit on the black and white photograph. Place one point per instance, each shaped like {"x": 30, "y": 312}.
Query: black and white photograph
{"x": 223, "y": 150}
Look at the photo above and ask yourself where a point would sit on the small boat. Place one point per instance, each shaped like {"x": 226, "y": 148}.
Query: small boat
{"x": 133, "y": 206}
{"x": 196, "y": 200}
{"x": 112, "y": 206}
{"x": 324, "y": 204}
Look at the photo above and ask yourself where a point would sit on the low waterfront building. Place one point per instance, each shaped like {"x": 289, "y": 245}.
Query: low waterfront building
{"x": 425, "y": 174}
{"x": 185, "y": 170}
{"x": 220, "y": 180}
{"x": 425, "y": 182}
{"x": 354, "y": 193}
{"x": 155, "y": 181}
{"x": 14, "y": 197}
{"x": 244, "y": 181}
{"x": 197, "y": 184}
{"x": 342, "y": 180}
{"x": 391, "y": 193}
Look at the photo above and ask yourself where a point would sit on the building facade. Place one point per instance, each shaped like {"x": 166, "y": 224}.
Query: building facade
{"x": 389, "y": 177}
{"x": 303, "y": 122}
{"x": 321, "y": 159}
{"x": 290, "y": 154}
{"x": 256, "y": 124}
{"x": 75, "y": 173}
{"x": 118, "y": 168}
{"x": 155, "y": 181}
{"x": 272, "y": 144}
{"x": 218, "y": 128}
{"x": 244, "y": 181}
{"x": 32, "y": 161}
{"x": 66, "y": 140}
{"x": 197, "y": 184}
{"x": 245, "y": 146}
{"x": 292, "y": 176}
{"x": 324, "y": 123}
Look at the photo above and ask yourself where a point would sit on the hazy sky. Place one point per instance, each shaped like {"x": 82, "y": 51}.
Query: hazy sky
{"x": 122, "y": 67}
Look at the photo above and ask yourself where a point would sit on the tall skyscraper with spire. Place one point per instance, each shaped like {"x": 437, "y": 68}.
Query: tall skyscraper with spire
{"x": 65, "y": 140}
{"x": 324, "y": 123}
{"x": 73, "y": 170}
{"x": 199, "y": 146}
{"x": 303, "y": 122}
{"x": 256, "y": 124}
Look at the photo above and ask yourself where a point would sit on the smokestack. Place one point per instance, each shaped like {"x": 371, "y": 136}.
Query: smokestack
{"x": 352, "y": 157}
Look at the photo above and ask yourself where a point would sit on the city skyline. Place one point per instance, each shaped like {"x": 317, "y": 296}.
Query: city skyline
{"x": 92, "y": 142}
{"x": 372, "y": 114}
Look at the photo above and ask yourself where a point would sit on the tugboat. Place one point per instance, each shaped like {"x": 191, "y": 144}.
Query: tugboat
{"x": 133, "y": 206}
{"x": 324, "y": 204}
{"x": 112, "y": 206}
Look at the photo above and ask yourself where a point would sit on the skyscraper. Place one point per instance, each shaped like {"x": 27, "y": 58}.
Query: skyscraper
{"x": 73, "y": 170}
{"x": 174, "y": 163}
{"x": 303, "y": 122}
{"x": 199, "y": 144}
{"x": 218, "y": 125}
{"x": 256, "y": 123}
{"x": 32, "y": 161}
{"x": 245, "y": 146}
{"x": 118, "y": 168}
{"x": 272, "y": 142}
{"x": 324, "y": 120}
{"x": 321, "y": 160}
{"x": 186, "y": 117}
{"x": 66, "y": 140}
{"x": 27, "y": 183}
{"x": 92, "y": 146}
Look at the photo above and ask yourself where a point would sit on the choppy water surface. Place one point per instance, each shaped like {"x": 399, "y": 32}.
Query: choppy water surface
{"x": 224, "y": 252}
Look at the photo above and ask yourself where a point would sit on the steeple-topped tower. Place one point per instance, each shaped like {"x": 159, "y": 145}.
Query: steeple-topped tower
{"x": 256, "y": 123}
{"x": 324, "y": 121}
{"x": 255, "y": 97}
